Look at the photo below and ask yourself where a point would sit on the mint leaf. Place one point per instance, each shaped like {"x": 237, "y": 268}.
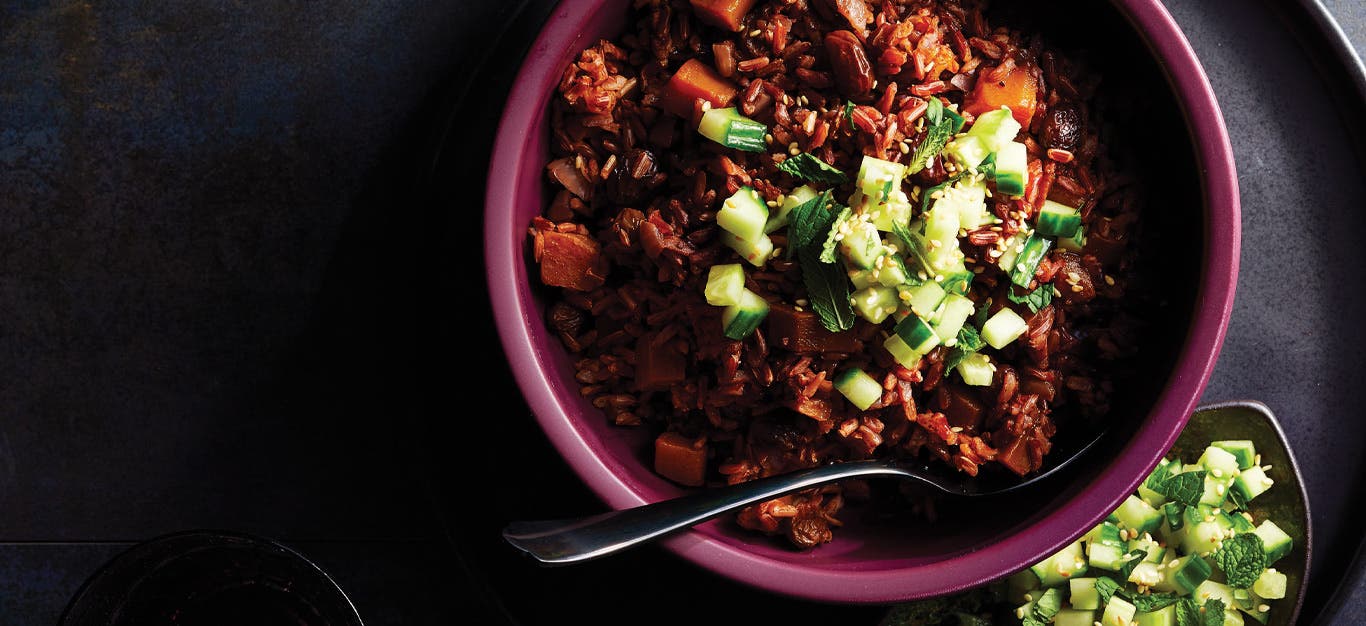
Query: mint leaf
{"x": 1239, "y": 500}
{"x": 958, "y": 283}
{"x": 1106, "y": 588}
{"x": 1242, "y": 559}
{"x": 1159, "y": 476}
{"x": 808, "y": 221}
{"x": 886, "y": 191}
{"x": 1148, "y": 602}
{"x": 931, "y": 145}
{"x": 1191, "y": 613}
{"x": 1172, "y": 511}
{"x": 848, "y": 112}
{"x": 1035, "y": 300}
{"x": 969, "y": 339}
{"x": 1185, "y": 487}
{"x": 827, "y": 288}
{"x": 828, "y": 250}
{"x": 915, "y": 246}
{"x": 934, "y": 111}
{"x": 807, "y": 166}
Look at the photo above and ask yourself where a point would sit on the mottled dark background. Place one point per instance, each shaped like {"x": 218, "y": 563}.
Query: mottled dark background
{"x": 239, "y": 262}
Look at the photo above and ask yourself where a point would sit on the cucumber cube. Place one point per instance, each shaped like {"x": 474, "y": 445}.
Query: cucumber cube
{"x": 901, "y": 352}
{"x": 1165, "y": 616}
{"x": 1219, "y": 462}
{"x": 1184, "y": 574}
{"x": 1012, "y": 173}
{"x": 744, "y": 214}
{"x": 1021, "y": 583}
{"x": 1252, "y": 482}
{"x": 925, "y": 298}
{"x": 1137, "y": 515}
{"x": 953, "y": 313}
{"x": 1082, "y": 594}
{"x": 1270, "y": 585}
{"x": 725, "y": 284}
{"x": 917, "y": 334}
{"x": 1105, "y": 556}
{"x": 968, "y": 151}
{"x": 862, "y": 244}
{"x": 740, "y": 319}
{"x": 977, "y": 370}
{"x": 1145, "y": 574}
{"x": 1060, "y": 567}
{"x": 1105, "y": 533}
{"x": 861, "y": 389}
{"x": 1276, "y": 542}
{"x": 1118, "y": 612}
{"x": 875, "y": 303}
{"x": 1074, "y": 617}
{"x": 862, "y": 279}
{"x": 792, "y": 200}
{"x": 893, "y": 272}
{"x": 1003, "y": 327}
{"x": 755, "y": 253}
{"x": 996, "y": 128}
{"x": 1241, "y": 449}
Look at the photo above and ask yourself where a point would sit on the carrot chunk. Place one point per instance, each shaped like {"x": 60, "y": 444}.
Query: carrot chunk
{"x": 1018, "y": 90}
{"x": 573, "y": 261}
{"x": 727, "y": 14}
{"x": 694, "y": 80}
{"x": 681, "y": 459}
{"x": 657, "y": 366}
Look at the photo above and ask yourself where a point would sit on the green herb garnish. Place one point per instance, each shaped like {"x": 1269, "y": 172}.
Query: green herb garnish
{"x": 1043, "y": 609}
{"x": 1131, "y": 560}
{"x": 826, "y": 285}
{"x": 1185, "y": 487}
{"x": 1191, "y": 613}
{"x": 828, "y": 249}
{"x": 1037, "y": 299}
{"x": 1106, "y": 588}
{"x": 1242, "y": 559}
{"x": 807, "y": 166}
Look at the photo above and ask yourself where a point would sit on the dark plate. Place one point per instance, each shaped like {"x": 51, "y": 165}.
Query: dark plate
{"x": 1290, "y": 100}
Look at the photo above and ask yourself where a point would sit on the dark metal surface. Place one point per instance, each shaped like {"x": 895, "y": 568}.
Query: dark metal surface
{"x": 226, "y": 299}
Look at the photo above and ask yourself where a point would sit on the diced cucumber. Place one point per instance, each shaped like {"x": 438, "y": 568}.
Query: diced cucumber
{"x": 861, "y": 389}
{"x": 969, "y": 151}
{"x": 895, "y": 212}
{"x": 1212, "y": 590}
{"x": 1058, "y": 220}
{"x": 875, "y": 173}
{"x": 1012, "y": 170}
{"x": 792, "y": 200}
{"x": 1216, "y": 489}
{"x": 733, "y": 130}
{"x": 941, "y": 227}
{"x": 967, "y": 198}
{"x": 743, "y": 214}
{"x": 740, "y": 319}
{"x": 1270, "y": 585}
{"x": 1154, "y": 550}
{"x": 1105, "y": 556}
{"x": 862, "y": 279}
{"x": 1106, "y": 533}
{"x": 925, "y": 298}
{"x": 755, "y": 253}
{"x": 996, "y": 128}
{"x": 1074, "y": 617}
{"x": 1118, "y": 612}
{"x": 1254, "y": 611}
{"x": 1067, "y": 563}
{"x": 1035, "y": 249}
{"x": 1252, "y": 482}
{"x": 725, "y": 284}
{"x": 862, "y": 244}
{"x": 1274, "y": 540}
{"x": 1241, "y": 449}
{"x": 953, "y": 313}
{"x": 1082, "y": 594}
{"x": 1165, "y": 616}
{"x": 1076, "y": 242}
{"x": 875, "y": 303}
{"x": 1184, "y": 574}
{"x": 1219, "y": 462}
{"x": 893, "y": 272}
{"x": 1233, "y": 618}
{"x": 917, "y": 334}
{"x": 1145, "y": 574}
{"x": 977, "y": 370}
{"x": 903, "y": 353}
{"x": 1240, "y": 524}
{"x": 1204, "y": 537}
{"x": 1003, "y": 327}
{"x": 1151, "y": 497}
{"x": 1137, "y": 515}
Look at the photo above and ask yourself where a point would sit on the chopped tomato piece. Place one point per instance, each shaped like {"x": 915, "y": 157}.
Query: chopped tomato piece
{"x": 573, "y": 261}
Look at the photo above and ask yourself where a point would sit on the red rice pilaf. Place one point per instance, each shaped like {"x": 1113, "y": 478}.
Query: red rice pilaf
{"x": 628, "y": 239}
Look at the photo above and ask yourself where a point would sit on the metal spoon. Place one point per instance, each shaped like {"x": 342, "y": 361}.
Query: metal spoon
{"x": 586, "y": 538}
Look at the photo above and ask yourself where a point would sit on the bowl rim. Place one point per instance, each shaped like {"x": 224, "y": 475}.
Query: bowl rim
{"x": 514, "y": 316}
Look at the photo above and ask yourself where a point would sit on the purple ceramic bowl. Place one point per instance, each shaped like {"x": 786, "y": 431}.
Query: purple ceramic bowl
{"x": 867, "y": 563}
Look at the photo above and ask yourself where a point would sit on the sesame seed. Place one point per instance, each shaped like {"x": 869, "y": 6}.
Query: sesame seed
{"x": 772, "y": 203}
{"x": 905, "y": 148}
{"x": 794, "y": 150}
{"x": 938, "y": 278}
{"x": 1257, "y": 459}
{"x": 1262, "y": 608}
{"x": 1078, "y": 288}
{"x": 755, "y": 32}
{"x": 839, "y": 236}
{"x": 957, "y": 429}
{"x": 768, "y": 138}
{"x": 1266, "y": 468}
{"x": 922, "y": 275}
{"x": 798, "y": 308}
{"x": 1219, "y": 489}
{"x": 1073, "y": 276}
{"x": 1110, "y": 280}
{"x": 1268, "y": 482}
{"x": 934, "y": 243}
{"x": 802, "y": 301}
{"x": 1218, "y": 473}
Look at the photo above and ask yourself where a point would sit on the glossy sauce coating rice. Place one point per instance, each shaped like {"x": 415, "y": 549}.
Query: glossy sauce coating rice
{"x": 627, "y": 241}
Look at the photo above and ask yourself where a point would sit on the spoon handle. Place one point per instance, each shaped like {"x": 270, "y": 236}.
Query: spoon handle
{"x": 582, "y": 539}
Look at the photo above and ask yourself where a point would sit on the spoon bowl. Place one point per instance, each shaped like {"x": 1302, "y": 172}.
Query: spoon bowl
{"x": 567, "y": 541}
